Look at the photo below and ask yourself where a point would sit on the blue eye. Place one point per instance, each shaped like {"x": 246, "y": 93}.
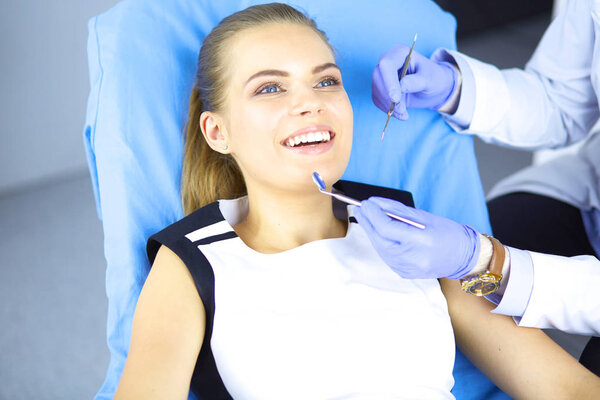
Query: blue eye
{"x": 271, "y": 88}
{"x": 328, "y": 82}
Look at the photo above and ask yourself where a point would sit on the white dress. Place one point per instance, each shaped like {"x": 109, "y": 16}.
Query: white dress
{"x": 326, "y": 320}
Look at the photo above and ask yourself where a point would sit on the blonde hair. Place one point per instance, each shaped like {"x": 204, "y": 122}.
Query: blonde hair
{"x": 207, "y": 174}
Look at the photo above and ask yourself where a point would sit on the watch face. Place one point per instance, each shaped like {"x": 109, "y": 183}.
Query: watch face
{"x": 482, "y": 288}
{"x": 482, "y": 284}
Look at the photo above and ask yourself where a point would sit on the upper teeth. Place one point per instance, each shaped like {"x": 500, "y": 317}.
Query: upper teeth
{"x": 311, "y": 137}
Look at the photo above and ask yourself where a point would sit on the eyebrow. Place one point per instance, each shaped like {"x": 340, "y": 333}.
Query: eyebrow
{"x": 277, "y": 72}
{"x": 325, "y": 66}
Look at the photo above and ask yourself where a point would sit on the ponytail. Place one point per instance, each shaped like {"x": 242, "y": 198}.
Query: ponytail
{"x": 207, "y": 175}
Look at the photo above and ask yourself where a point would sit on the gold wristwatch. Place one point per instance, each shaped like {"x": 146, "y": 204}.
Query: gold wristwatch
{"x": 488, "y": 281}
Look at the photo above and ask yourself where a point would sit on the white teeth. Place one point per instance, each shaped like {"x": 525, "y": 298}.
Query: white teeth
{"x": 311, "y": 137}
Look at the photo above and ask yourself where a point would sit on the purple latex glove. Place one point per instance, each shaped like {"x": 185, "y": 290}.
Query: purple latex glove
{"x": 427, "y": 83}
{"x": 443, "y": 249}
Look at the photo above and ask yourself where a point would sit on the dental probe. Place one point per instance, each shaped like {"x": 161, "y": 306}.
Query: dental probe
{"x": 404, "y": 70}
{"x": 349, "y": 200}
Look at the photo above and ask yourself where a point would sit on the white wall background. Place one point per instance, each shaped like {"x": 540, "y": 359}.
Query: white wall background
{"x": 43, "y": 89}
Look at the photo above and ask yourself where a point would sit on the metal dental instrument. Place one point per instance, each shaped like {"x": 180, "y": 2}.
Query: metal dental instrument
{"x": 349, "y": 200}
{"x": 404, "y": 69}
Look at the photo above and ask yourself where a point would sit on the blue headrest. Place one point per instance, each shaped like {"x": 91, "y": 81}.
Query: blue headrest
{"x": 142, "y": 59}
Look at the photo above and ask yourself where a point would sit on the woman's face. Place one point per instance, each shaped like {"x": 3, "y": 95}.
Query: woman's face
{"x": 287, "y": 113}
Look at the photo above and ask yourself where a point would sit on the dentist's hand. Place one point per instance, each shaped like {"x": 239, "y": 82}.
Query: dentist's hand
{"x": 427, "y": 83}
{"x": 443, "y": 249}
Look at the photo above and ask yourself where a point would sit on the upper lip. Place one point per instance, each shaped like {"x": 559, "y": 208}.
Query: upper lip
{"x": 309, "y": 129}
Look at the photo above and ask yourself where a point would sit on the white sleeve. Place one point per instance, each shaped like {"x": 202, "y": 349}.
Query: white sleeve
{"x": 551, "y": 103}
{"x": 518, "y": 289}
{"x": 565, "y": 294}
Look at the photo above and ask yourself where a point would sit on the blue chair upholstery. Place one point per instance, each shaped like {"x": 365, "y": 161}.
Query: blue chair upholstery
{"x": 142, "y": 60}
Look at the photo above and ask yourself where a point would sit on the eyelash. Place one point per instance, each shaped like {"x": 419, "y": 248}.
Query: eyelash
{"x": 259, "y": 91}
{"x": 334, "y": 81}
{"x": 265, "y": 86}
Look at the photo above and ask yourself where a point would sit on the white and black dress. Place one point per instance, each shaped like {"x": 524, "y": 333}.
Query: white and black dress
{"x": 326, "y": 320}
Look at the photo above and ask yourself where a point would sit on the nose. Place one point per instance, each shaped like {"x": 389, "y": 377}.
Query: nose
{"x": 306, "y": 101}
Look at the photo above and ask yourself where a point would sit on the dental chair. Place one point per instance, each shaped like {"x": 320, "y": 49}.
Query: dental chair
{"x": 142, "y": 60}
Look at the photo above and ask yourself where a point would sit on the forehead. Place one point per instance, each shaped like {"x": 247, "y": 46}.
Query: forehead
{"x": 293, "y": 48}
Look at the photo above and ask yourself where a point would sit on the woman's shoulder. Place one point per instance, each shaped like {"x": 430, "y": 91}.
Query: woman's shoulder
{"x": 205, "y": 216}
{"x": 180, "y": 234}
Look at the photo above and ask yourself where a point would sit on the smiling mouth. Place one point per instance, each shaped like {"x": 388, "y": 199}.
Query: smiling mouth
{"x": 309, "y": 139}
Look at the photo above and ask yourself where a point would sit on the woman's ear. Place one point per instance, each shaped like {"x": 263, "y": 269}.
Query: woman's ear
{"x": 214, "y": 132}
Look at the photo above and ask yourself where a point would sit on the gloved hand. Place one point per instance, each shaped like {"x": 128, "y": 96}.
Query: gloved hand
{"x": 443, "y": 249}
{"x": 427, "y": 83}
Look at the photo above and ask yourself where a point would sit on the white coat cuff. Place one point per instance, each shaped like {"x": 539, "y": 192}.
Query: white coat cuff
{"x": 461, "y": 119}
{"x": 565, "y": 294}
{"x": 519, "y": 288}
{"x": 486, "y": 97}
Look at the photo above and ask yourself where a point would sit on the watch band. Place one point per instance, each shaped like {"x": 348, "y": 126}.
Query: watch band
{"x": 498, "y": 256}
{"x": 487, "y": 282}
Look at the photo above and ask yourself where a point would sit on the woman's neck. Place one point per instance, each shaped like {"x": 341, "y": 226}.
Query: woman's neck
{"x": 277, "y": 222}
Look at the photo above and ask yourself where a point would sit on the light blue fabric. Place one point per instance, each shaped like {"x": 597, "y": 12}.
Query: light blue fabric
{"x": 142, "y": 59}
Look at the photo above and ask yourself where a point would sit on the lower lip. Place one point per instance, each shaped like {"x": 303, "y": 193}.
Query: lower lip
{"x": 312, "y": 149}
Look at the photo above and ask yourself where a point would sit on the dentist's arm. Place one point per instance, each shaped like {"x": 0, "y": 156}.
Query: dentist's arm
{"x": 551, "y": 103}
{"x": 540, "y": 290}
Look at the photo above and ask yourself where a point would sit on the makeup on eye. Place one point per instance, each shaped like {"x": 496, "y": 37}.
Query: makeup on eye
{"x": 268, "y": 88}
{"x": 331, "y": 81}
{"x": 276, "y": 87}
{"x": 271, "y": 73}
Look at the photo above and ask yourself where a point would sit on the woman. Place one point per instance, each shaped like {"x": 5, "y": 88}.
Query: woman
{"x": 285, "y": 299}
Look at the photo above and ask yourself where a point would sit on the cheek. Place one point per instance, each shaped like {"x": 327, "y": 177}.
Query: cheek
{"x": 343, "y": 110}
{"x": 252, "y": 131}
{"x": 256, "y": 121}
{"x": 350, "y": 113}
{"x": 341, "y": 106}
{"x": 347, "y": 116}
{"x": 245, "y": 127}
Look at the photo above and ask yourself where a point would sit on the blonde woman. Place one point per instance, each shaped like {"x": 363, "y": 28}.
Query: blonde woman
{"x": 262, "y": 292}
